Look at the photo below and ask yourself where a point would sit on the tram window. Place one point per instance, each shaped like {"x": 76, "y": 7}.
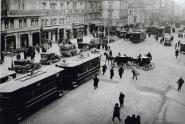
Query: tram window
{"x": 51, "y": 85}
{"x": 6, "y": 102}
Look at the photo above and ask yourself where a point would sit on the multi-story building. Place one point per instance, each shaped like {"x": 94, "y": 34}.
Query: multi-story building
{"x": 34, "y": 22}
{"x": 123, "y": 12}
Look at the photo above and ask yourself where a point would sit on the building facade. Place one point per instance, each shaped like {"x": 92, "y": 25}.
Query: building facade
{"x": 34, "y": 22}
{"x": 124, "y": 12}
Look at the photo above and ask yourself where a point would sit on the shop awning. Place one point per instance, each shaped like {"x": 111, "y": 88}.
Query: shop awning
{"x": 97, "y": 23}
{"x": 78, "y": 25}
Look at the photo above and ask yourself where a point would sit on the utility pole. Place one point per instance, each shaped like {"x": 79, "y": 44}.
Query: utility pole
{"x": 110, "y": 10}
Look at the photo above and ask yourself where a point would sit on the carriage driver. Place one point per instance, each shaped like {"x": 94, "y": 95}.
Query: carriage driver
{"x": 149, "y": 55}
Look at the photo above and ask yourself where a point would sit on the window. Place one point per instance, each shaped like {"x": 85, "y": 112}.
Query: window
{"x": 46, "y": 21}
{"x": 25, "y": 22}
{"x": 63, "y": 20}
{"x": 32, "y": 22}
{"x": 61, "y": 5}
{"x": 44, "y": 5}
{"x": 54, "y": 21}
{"x": 12, "y": 24}
{"x": 36, "y": 22}
{"x": 53, "y": 5}
{"x": 6, "y": 24}
{"x": 60, "y": 21}
{"x": 20, "y": 23}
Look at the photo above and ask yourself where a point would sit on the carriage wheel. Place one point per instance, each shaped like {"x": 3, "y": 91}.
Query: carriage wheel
{"x": 151, "y": 66}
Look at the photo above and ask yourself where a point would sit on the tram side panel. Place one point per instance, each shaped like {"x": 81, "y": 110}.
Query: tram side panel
{"x": 75, "y": 76}
{"x": 22, "y": 102}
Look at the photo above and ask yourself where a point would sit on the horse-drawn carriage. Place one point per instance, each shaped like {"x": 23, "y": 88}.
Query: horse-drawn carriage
{"x": 128, "y": 62}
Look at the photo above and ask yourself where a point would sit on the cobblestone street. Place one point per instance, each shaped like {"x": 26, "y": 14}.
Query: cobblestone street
{"x": 153, "y": 96}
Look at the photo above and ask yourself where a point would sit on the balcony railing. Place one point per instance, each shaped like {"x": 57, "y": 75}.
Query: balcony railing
{"x": 45, "y": 12}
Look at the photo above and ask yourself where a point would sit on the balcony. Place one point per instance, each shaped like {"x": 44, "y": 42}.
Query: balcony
{"x": 15, "y": 13}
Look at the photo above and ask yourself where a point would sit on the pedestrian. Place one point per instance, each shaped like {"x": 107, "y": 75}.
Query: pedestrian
{"x": 25, "y": 53}
{"x": 116, "y": 113}
{"x": 121, "y": 99}
{"x": 18, "y": 56}
{"x": 134, "y": 74}
{"x": 149, "y": 55}
{"x": 176, "y": 46}
{"x": 133, "y": 119}
{"x": 110, "y": 53}
{"x": 138, "y": 119}
{"x": 111, "y": 73}
{"x": 104, "y": 68}
{"x": 128, "y": 120}
{"x": 176, "y": 53}
{"x": 96, "y": 81}
{"x": 180, "y": 82}
{"x": 121, "y": 71}
{"x": 178, "y": 43}
{"x": 2, "y": 57}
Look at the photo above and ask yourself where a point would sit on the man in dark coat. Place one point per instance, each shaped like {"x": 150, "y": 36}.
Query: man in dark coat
{"x": 149, "y": 55}
{"x": 134, "y": 74}
{"x": 116, "y": 113}
{"x": 96, "y": 81}
{"x": 128, "y": 120}
{"x": 178, "y": 43}
{"x": 121, "y": 99}
{"x": 111, "y": 73}
{"x": 25, "y": 53}
{"x": 2, "y": 57}
{"x": 180, "y": 82}
{"x": 121, "y": 71}
{"x": 104, "y": 68}
{"x": 110, "y": 53}
{"x": 176, "y": 53}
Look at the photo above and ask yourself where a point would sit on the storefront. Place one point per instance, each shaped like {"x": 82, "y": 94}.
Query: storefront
{"x": 10, "y": 42}
{"x": 61, "y": 35}
{"x": 36, "y": 38}
{"x": 2, "y": 41}
{"x": 78, "y": 30}
{"x": 24, "y": 40}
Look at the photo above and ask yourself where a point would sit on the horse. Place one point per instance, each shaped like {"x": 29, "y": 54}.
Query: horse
{"x": 109, "y": 58}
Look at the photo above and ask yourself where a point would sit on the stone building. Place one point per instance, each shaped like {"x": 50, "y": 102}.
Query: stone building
{"x": 123, "y": 12}
{"x": 34, "y": 22}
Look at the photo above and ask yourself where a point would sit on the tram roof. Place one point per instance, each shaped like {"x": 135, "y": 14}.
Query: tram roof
{"x": 27, "y": 79}
{"x": 78, "y": 60}
{"x": 6, "y": 73}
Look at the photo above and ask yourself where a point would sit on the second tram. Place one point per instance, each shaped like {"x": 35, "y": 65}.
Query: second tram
{"x": 79, "y": 69}
{"x": 137, "y": 36}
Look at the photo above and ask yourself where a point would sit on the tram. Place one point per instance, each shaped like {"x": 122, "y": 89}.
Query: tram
{"x": 79, "y": 69}
{"x": 137, "y": 36}
{"x": 24, "y": 95}
{"x": 160, "y": 31}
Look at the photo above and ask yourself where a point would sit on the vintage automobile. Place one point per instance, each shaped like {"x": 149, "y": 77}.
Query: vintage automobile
{"x": 49, "y": 58}
{"x": 24, "y": 66}
{"x": 68, "y": 50}
{"x": 182, "y": 47}
{"x": 94, "y": 43}
{"x": 122, "y": 34}
{"x": 167, "y": 41}
{"x": 105, "y": 40}
{"x": 137, "y": 36}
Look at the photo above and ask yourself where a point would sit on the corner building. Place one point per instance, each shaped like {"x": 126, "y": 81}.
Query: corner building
{"x": 34, "y": 22}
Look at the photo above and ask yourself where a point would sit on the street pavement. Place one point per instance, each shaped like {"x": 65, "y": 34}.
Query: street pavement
{"x": 153, "y": 96}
